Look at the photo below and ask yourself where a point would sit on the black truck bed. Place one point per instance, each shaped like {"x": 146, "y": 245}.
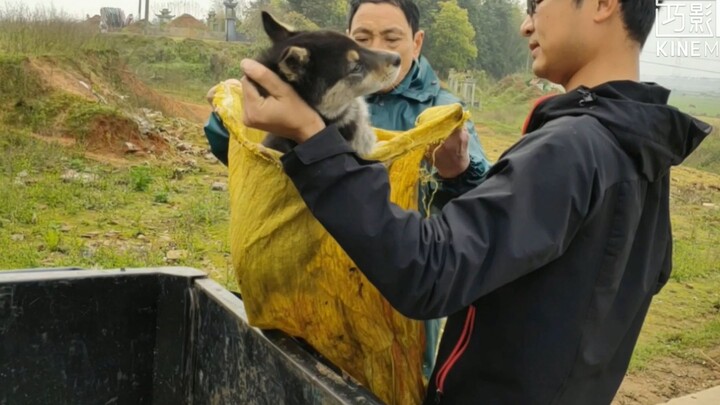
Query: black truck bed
{"x": 148, "y": 336}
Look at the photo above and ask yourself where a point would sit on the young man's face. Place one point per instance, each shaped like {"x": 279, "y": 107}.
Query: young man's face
{"x": 384, "y": 26}
{"x": 560, "y": 38}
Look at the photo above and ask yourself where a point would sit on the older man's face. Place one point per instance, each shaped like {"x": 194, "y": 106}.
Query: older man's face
{"x": 384, "y": 26}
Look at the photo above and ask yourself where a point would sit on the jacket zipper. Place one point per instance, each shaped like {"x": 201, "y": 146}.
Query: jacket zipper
{"x": 459, "y": 349}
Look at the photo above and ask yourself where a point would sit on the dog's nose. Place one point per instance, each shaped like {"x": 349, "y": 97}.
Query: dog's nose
{"x": 395, "y": 60}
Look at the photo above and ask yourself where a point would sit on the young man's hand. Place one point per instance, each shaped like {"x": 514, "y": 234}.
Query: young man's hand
{"x": 451, "y": 158}
{"x": 282, "y": 112}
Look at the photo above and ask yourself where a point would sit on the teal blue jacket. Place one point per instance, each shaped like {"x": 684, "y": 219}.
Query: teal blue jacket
{"x": 398, "y": 110}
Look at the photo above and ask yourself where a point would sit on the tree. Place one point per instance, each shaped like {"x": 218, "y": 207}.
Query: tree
{"x": 501, "y": 48}
{"x": 451, "y": 39}
{"x": 473, "y": 8}
{"x": 252, "y": 22}
{"x": 219, "y": 8}
{"x": 327, "y": 14}
{"x": 428, "y": 9}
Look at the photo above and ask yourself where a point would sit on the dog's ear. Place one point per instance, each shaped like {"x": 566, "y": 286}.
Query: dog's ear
{"x": 293, "y": 61}
{"x": 274, "y": 29}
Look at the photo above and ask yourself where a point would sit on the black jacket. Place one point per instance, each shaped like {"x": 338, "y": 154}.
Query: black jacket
{"x": 546, "y": 270}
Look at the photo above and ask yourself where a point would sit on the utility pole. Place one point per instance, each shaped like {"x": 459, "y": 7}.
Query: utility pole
{"x": 230, "y": 17}
{"x": 147, "y": 11}
{"x": 139, "y": 17}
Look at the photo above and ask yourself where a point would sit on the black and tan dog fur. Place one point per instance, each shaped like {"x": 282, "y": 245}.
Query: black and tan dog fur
{"x": 332, "y": 73}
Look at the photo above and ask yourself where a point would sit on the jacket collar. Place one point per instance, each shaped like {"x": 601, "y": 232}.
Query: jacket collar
{"x": 653, "y": 134}
{"x": 420, "y": 83}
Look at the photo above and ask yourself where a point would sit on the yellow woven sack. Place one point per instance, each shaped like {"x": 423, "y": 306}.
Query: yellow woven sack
{"x": 294, "y": 277}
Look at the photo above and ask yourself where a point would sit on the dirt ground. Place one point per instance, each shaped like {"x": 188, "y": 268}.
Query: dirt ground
{"x": 187, "y": 21}
{"x": 670, "y": 378}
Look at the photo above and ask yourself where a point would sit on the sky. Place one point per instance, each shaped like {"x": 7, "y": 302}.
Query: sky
{"x": 666, "y": 52}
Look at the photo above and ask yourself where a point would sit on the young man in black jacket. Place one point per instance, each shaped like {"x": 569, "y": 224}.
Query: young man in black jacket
{"x": 547, "y": 269}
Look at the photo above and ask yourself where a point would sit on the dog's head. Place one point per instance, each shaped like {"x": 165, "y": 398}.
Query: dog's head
{"x": 326, "y": 68}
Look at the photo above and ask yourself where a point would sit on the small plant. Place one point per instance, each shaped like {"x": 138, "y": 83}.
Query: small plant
{"x": 140, "y": 178}
{"x": 52, "y": 240}
{"x": 77, "y": 164}
{"x": 162, "y": 197}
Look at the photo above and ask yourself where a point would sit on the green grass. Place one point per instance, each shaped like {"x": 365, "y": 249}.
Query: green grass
{"x": 505, "y": 104}
{"x": 684, "y": 319}
{"x": 165, "y": 62}
{"x": 15, "y": 82}
{"x": 123, "y": 217}
{"x": 706, "y": 105}
{"x": 160, "y": 61}
{"x": 195, "y": 78}
{"x": 43, "y": 31}
{"x": 684, "y": 322}
{"x": 707, "y": 155}
{"x": 59, "y": 113}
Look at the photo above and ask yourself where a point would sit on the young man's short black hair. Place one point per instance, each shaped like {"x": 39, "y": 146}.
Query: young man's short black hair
{"x": 408, "y": 7}
{"x": 638, "y": 17}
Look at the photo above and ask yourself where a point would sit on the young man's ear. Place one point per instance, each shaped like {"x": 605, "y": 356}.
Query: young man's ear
{"x": 606, "y": 9}
{"x": 418, "y": 39}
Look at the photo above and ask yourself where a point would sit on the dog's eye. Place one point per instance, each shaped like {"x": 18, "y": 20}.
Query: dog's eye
{"x": 356, "y": 68}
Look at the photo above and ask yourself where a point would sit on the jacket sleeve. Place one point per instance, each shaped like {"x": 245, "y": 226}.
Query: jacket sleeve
{"x": 218, "y": 138}
{"x": 522, "y": 217}
{"x": 443, "y": 190}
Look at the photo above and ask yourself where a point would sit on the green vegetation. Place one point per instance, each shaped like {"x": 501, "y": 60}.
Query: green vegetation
{"x": 707, "y": 155}
{"x": 61, "y": 209}
{"x": 165, "y": 62}
{"x": 452, "y": 44}
{"x": 42, "y": 31}
{"x": 702, "y": 105}
{"x": 59, "y": 113}
{"x": 15, "y": 82}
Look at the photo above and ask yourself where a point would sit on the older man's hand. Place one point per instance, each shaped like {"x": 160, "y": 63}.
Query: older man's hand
{"x": 282, "y": 112}
{"x": 451, "y": 158}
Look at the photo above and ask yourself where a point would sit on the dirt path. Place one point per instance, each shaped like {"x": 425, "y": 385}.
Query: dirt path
{"x": 198, "y": 113}
{"x": 669, "y": 378}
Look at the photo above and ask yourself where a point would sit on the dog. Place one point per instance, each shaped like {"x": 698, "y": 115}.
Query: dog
{"x": 332, "y": 73}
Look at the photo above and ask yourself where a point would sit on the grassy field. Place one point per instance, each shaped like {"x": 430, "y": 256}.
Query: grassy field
{"x": 63, "y": 209}
{"x": 706, "y": 105}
